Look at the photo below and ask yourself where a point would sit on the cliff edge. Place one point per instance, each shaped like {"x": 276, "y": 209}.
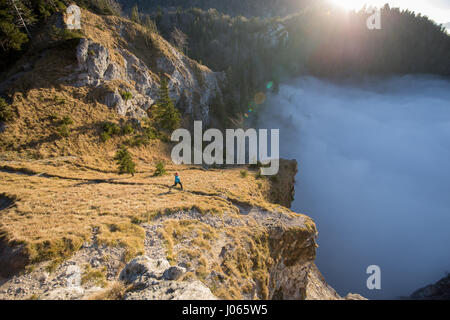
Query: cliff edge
{"x": 72, "y": 227}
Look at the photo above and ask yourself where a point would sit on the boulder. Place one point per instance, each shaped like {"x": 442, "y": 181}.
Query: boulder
{"x": 73, "y": 276}
{"x": 141, "y": 268}
{"x": 172, "y": 290}
{"x": 174, "y": 273}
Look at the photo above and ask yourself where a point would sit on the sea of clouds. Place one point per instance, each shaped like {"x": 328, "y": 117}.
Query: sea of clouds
{"x": 374, "y": 174}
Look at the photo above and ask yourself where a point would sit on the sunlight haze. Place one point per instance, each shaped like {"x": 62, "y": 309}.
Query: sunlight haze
{"x": 438, "y": 10}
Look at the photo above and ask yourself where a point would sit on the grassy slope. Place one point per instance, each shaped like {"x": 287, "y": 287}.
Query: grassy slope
{"x": 64, "y": 187}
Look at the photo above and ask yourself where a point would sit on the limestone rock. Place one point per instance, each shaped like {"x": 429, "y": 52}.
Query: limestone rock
{"x": 192, "y": 86}
{"x": 354, "y": 296}
{"x": 69, "y": 293}
{"x": 174, "y": 273}
{"x": 172, "y": 290}
{"x": 73, "y": 276}
{"x": 142, "y": 267}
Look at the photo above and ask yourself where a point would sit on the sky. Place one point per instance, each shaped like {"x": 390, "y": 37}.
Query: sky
{"x": 438, "y": 10}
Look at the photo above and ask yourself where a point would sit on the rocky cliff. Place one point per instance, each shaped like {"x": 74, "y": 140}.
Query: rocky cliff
{"x": 71, "y": 227}
{"x": 216, "y": 241}
{"x": 116, "y": 56}
{"x": 437, "y": 291}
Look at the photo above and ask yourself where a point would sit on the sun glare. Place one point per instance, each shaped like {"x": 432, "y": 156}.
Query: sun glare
{"x": 350, "y": 4}
{"x": 436, "y": 10}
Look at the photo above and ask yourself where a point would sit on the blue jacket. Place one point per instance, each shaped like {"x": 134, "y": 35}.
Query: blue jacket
{"x": 177, "y": 179}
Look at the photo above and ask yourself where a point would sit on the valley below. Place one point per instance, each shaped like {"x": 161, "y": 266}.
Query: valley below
{"x": 373, "y": 173}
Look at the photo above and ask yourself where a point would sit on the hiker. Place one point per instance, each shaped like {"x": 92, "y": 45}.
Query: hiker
{"x": 177, "y": 181}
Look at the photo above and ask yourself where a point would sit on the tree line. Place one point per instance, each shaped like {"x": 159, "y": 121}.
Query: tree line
{"x": 322, "y": 41}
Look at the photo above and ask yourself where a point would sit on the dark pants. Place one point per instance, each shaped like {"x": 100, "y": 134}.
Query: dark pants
{"x": 176, "y": 185}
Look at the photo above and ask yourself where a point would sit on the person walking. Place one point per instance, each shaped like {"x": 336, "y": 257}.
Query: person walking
{"x": 177, "y": 181}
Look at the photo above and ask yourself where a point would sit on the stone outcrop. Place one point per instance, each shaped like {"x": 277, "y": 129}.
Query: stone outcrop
{"x": 143, "y": 267}
{"x": 238, "y": 248}
{"x": 437, "y": 291}
{"x": 155, "y": 279}
{"x": 193, "y": 87}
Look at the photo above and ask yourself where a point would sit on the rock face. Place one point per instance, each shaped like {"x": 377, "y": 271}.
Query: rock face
{"x": 438, "y": 291}
{"x": 154, "y": 279}
{"x": 237, "y": 249}
{"x": 164, "y": 290}
{"x": 254, "y": 254}
{"x": 192, "y": 87}
{"x": 80, "y": 277}
{"x": 174, "y": 273}
{"x": 258, "y": 254}
{"x": 144, "y": 267}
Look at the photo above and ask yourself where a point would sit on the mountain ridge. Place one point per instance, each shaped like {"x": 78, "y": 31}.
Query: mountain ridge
{"x": 73, "y": 228}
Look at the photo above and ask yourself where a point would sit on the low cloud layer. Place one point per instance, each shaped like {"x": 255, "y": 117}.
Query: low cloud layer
{"x": 374, "y": 173}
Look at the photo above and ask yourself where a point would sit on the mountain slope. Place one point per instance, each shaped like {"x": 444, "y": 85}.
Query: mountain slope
{"x": 72, "y": 227}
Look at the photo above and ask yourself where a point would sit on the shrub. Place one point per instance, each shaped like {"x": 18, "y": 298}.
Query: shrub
{"x": 148, "y": 134}
{"x": 137, "y": 141}
{"x": 151, "y": 133}
{"x": 244, "y": 173}
{"x": 6, "y": 112}
{"x": 108, "y": 7}
{"x": 67, "y": 121}
{"x": 126, "y": 95}
{"x": 125, "y": 161}
{"x": 258, "y": 165}
{"x": 95, "y": 276}
{"x": 109, "y": 129}
{"x": 127, "y": 129}
{"x": 104, "y": 136}
{"x": 71, "y": 34}
{"x": 59, "y": 100}
{"x": 160, "y": 169}
{"x": 136, "y": 220}
{"x": 258, "y": 175}
{"x": 63, "y": 130}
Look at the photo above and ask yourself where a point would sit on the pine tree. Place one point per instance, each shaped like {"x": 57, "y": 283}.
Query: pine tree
{"x": 150, "y": 24}
{"x": 165, "y": 114}
{"x": 125, "y": 161}
{"x": 135, "y": 17}
{"x": 15, "y": 19}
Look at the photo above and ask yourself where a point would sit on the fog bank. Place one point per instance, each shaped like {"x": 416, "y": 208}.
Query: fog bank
{"x": 374, "y": 174}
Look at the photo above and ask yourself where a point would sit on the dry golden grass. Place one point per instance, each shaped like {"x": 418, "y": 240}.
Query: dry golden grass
{"x": 59, "y": 202}
{"x": 67, "y": 187}
{"x": 114, "y": 291}
{"x": 244, "y": 265}
{"x": 96, "y": 277}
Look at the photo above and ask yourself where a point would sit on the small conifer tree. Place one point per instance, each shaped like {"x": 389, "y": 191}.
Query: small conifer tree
{"x": 125, "y": 161}
{"x": 165, "y": 114}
